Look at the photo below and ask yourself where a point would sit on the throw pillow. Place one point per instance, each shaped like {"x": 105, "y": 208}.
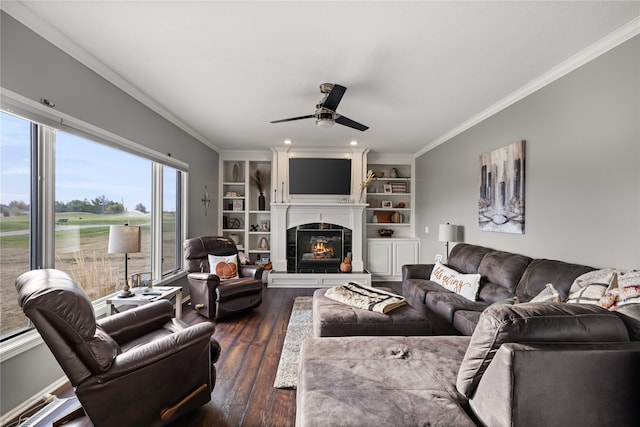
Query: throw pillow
{"x": 629, "y": 295}
{"x": 548, "y": 294}
{"x": 591, "y": 293}
{"x": 596, "y": 276}
{"x": 225, "y": 267}
{"x": 466, "y": 285}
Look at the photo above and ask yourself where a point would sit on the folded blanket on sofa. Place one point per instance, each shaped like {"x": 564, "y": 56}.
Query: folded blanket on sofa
{"x": 365, "y": 298}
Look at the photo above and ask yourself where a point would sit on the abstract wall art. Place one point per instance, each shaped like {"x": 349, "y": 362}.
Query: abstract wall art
{"x": 501, "y": 203}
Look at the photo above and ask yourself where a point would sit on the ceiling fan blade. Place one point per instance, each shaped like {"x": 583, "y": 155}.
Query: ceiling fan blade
{"x": 345, "y": 121}
{"x": 293, "y": 118}
{"x": 334, "y": 97}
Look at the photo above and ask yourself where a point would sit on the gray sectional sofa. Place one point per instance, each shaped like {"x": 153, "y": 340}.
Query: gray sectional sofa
{"x": 531, "y": 364}
{"x": 503, "y": 275}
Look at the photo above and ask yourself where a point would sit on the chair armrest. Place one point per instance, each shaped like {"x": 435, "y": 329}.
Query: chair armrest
{"x": 559, "y": 384}
{"x": 204, "y": 277}
{"x": 417, "y": 271}
{"x": 138, "y": 321}
{"x": 251, "y": 271}
{"x": 154, "y": 351}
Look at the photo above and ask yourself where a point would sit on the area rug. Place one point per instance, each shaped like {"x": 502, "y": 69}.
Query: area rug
{"x": 300, "y": 328}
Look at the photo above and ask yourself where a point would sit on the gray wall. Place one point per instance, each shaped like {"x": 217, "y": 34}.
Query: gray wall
{"x": 582, "y": 169}
{"x": 34, "y": 68}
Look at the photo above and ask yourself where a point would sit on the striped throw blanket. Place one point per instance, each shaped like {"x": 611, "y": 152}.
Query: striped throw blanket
{"x": 365, "y": 298}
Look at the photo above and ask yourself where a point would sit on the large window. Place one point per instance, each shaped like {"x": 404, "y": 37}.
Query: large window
{"x": 98, "y": 186}
{"x": 95, "y": 186}
{"x": 15, "y": 201}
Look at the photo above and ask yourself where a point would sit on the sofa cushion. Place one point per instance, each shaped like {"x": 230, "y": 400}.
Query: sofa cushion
{"x": 462, "y": 284}
{"x": 381, "y": 381}
{"x": 466, "y": 258}
{"x": 534, "y": 322}
{"x": 465, "y": 321}
{"x": 416, "y": 290}
{"x": 542, "y": 271}
{"x": 630, "y": 315}
{"x": 445, "y": 304}
{"x": 501, "y": 272}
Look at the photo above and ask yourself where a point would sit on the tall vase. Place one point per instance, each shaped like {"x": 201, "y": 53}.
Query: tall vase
{"x": 261, "y": 202}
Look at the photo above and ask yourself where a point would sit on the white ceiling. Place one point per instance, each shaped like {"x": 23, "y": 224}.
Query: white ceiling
{"x": 416, "y": 72}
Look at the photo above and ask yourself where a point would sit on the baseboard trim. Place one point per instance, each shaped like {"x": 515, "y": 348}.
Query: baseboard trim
{"x": 32, "y": 401}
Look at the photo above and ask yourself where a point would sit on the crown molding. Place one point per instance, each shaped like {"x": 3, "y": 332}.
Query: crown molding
{"x": 621, "y": 35}
{"x": 36, "y": 24}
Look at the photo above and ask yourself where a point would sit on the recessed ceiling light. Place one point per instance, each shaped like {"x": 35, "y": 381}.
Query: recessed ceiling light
{"x": 287, "y": 141}
{"x": 354, "y": 142}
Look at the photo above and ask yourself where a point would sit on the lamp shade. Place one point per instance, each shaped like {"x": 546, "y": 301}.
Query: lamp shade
{"x": 124, "y": 239}
{"x": 450, "y": 233}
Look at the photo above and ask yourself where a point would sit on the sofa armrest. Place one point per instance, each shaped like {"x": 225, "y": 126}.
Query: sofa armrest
{"x": 138, "y": 321}
{"x": 560, "y": 384}
{"x": 417, "y": 271}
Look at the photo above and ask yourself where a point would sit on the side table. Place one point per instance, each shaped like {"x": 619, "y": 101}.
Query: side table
{"x": 142, "y": 297}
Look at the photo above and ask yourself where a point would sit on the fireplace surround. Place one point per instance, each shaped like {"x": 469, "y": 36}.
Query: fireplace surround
{"x": 298, "y": 216}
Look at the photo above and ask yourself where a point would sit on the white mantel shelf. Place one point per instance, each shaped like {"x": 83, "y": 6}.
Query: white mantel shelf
{"x": 288, "y": 215}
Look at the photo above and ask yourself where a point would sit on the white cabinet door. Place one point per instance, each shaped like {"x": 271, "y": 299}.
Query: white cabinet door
{"x": 379, "y": 258}
{"x": 404, "y": 252}
{"x": 385, "y": 257}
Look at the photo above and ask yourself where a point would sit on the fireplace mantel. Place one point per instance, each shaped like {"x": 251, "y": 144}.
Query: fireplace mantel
{"x": 287, "y": 215}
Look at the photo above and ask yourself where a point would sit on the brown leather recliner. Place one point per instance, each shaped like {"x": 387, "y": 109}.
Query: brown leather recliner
{"x": 141, "y": 367}
{"x": 210, "y": 296}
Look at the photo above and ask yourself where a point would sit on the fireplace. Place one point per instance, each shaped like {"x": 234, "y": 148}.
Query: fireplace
{"x": 317, "y": 248}
{"x": 345, "y": 218}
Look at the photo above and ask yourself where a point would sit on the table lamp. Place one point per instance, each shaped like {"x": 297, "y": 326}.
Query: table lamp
{"x": 124, "y": 239}
{"x": 449, "y": 233}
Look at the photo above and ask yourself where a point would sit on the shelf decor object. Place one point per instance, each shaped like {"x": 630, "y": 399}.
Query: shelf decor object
{"x": 259, "y": 179}
{"x": 364, "y": 184}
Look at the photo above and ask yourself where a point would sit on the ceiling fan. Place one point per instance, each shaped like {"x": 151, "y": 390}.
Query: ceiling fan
{"x": 326, "y": 114}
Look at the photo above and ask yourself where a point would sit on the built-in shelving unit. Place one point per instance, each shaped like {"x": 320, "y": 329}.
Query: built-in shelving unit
{"x": 391, "y": 207}
{"x": 390, "y": 199}
{"x": 241, "y": 218}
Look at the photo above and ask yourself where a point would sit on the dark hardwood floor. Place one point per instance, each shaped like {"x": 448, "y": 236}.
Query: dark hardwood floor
{"x": 251, "y": 344}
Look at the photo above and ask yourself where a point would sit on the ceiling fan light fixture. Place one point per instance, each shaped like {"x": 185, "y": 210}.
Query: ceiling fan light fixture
{"x": 324, "y": 119}
{"x": 324, "y": 123}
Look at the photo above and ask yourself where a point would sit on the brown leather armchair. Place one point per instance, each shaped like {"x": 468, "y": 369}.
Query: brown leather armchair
{"x": 210, "y": 296}
{"x": 141, "y": 367}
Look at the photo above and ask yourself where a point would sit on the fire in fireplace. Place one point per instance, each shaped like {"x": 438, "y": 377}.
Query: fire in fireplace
{"x": 322, "y": 248}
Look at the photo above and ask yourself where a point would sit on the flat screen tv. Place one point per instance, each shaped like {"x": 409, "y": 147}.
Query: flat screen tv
{"x": 319, "y": 176}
